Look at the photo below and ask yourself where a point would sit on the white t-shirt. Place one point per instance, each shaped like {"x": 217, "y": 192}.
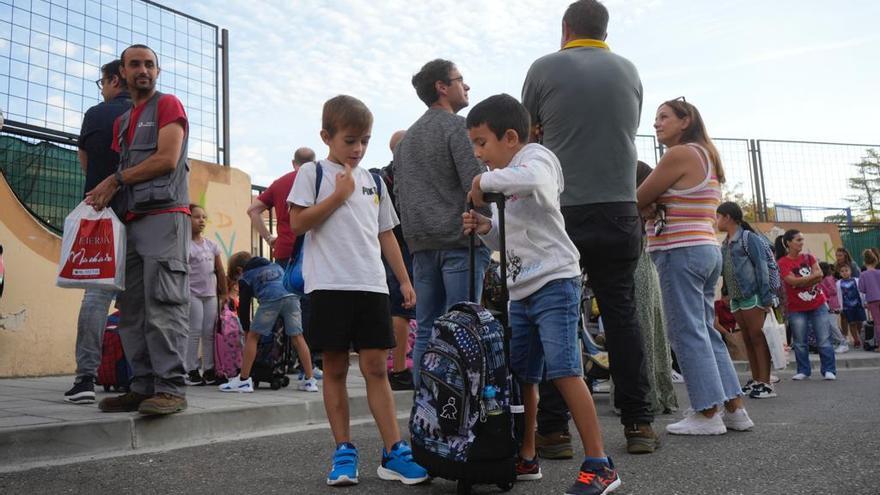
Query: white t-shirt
{"x": 343, "y": 253}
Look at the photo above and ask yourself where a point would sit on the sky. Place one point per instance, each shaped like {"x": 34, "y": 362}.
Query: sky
{"x": 780, "y": 69}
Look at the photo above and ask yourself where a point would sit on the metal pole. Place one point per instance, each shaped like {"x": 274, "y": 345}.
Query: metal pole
{"x": 224, "y": 38}
{"x": 756, "y": 188}
{"x": 765, "y": 211}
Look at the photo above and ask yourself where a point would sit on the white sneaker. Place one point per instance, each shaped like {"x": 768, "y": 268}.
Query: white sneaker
{"x": 316, "y": 373}
{"x": 676, "y": 377}
{"x": 841, "y": 349}
{"x": 695, "y": 423}
{"x": 800, "y": 376}
{"x": 774, "y": 378}
{"x": 738, "y": 420}
{"x": 310, "y": 385}
{"x": 829, "y": 376}
{"x": 236, "y": 384}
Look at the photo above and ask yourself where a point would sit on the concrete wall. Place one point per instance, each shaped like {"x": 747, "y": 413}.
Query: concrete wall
{"x": 37, "y": 319}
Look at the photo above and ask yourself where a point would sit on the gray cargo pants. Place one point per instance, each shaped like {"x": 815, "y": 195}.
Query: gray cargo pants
{"x": 154, "y": 308}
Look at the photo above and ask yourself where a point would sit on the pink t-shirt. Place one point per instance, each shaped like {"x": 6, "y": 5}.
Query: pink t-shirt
{"x": 202, "y": 279}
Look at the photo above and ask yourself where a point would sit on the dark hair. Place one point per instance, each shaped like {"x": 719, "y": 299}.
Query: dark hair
{"x": 587, "y": 18}
{"x": 137, "y": 45}
{"x": 696, "y": 132}
{"x": 869, "y": 257}
{"x": 111, "y": 69}
{"x": 193, "y": 206}
{"x": 826, "y": 268}
{"x": 643, "y": 170}
{"x": 500, "y": 113}
{"x": 779, "y": 250}
{"x": 732, "y": 210}
{"x": 346, "y": 112}
{"x": 786, "y": 238}
{"x": 426, "y": 78}
{"x": 236, "y": 261}
{"x": 847, "y": 259}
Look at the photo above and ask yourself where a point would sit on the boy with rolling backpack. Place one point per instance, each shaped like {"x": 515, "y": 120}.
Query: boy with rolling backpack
{"x": 543, "y": 278}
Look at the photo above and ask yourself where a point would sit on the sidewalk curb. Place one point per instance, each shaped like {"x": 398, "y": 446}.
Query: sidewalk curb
{"x": 25, "y": 448}
{"x": 842, "y": 363}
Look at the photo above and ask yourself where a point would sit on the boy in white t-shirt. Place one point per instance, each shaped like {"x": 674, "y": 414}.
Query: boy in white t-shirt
{"x": 348, "y": 221}
{"x": 543, "y": 277}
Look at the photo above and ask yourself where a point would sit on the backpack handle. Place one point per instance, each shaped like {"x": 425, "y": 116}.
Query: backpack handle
{"x": 499, "y": 200}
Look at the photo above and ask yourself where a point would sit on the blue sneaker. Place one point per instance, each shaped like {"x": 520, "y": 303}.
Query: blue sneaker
{"x": 345, "y": 466}
{"x": 399, "y": 465}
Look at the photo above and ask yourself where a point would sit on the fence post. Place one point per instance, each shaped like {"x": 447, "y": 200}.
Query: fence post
{"x": 760, "y": 207}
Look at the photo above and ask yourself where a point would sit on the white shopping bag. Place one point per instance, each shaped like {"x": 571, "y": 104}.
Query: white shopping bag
{"x": 92, "y": 250}
{"x": 774, "y": 332}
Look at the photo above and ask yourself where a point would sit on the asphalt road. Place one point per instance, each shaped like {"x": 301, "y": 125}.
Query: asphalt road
{"x": 816, "y": 438}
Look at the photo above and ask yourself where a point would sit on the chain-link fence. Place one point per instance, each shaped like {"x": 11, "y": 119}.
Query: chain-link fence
{"x": 777, "y": 180}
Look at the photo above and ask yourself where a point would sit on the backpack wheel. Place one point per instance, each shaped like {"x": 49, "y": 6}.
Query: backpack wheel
{"x": 106, "y": 388}
{"x": 256, "y": 384}
{"x": 285, "y": 381}
{"x": 506, "y": 486}
{"x": 463, "y": 488}
{"x": 275, "y": 384}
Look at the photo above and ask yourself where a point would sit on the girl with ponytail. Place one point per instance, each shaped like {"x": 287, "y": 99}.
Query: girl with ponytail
{"x": 747, "y": 280}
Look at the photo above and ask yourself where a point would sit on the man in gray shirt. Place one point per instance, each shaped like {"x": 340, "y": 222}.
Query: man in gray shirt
{"x": 434, "y": 166}
{"x": 585, "y": 103}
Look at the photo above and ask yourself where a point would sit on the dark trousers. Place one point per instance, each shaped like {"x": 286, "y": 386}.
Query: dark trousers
{"x": 609, "y": 239}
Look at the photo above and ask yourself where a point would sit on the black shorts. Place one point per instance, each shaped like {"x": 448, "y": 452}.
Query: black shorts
{"x": 342, "y": 320}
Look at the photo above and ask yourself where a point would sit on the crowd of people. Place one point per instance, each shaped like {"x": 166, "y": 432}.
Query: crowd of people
{"x": 377, "y": 255}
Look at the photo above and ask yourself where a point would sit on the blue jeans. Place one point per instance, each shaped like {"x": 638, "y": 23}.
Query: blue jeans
{"x": 688, "y": 277}
{"x": 818, "y": 318}
{"x": 544, "y": 330}
{"x": 440, "y": 278}
{"x": 90, "y": 330}
{"x": 286, "y": 308}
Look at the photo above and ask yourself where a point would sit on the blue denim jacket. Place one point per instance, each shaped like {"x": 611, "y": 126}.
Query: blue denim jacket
{"x": 752, "y": 274}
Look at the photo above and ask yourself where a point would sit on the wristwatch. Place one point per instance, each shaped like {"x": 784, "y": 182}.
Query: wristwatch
{"x": 118, "y": 176}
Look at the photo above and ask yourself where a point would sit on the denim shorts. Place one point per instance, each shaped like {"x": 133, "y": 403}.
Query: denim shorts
{"x": 286, "y": 308}
{"x": 544, "y": 329}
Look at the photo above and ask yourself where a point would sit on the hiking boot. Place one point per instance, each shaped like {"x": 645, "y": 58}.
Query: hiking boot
{"x": 83, "y": 391}
{"x": 641, "y": 439}
{"x": 595, "y": 479}
{"x": 398, "y": 465}
{"x": 401, "y": 380}
{"x": 556, "y": 445}
{"x": 128, "y": 402}
{"x": 527, "y": 470}
{"x": 162, "y": 403}
{"x": 194, "y": 378}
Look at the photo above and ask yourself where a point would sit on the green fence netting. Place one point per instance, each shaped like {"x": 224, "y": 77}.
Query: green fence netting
{"x": 46, "y": 177}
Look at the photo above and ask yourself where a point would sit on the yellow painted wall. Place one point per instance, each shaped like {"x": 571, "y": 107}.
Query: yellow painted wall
{"x": 38, "y": 319}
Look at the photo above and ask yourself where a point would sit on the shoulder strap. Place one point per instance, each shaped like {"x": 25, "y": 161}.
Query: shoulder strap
{"x": 378, "y": 180}
{"x": 319, "y": 175}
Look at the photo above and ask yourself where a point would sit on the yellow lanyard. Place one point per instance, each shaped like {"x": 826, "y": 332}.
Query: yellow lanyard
{"x": 590, "y": 43}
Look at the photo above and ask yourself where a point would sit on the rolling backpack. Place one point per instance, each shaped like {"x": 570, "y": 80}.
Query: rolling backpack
{"x": 227, "y": 344}
{"x": 114, "y": 372}
{"x": 465, "y": 412}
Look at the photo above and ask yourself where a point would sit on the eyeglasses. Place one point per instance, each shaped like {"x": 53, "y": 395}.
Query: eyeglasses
{"x": 100, "y": 83}
{"x": 459, "y": 78}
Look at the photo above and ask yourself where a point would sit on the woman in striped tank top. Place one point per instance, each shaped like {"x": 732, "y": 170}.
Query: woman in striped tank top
{"x": 681, "y": 196}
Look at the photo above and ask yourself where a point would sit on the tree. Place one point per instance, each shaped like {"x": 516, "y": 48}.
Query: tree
{"x": 865, "y": 185}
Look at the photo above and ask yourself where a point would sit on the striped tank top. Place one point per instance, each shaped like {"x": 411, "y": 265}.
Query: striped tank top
{"x": 690, "y": 213}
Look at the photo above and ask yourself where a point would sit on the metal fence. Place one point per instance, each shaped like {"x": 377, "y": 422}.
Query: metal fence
{"x": 784, "y": 180}
{"x": 43, "y": 172}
